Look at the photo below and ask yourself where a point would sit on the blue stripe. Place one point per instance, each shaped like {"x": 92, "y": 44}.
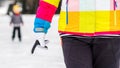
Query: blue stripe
{"x": 67, "y": 12}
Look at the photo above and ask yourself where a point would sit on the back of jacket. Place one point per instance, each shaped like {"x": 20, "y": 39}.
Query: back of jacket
{"x": 84, "y": 17}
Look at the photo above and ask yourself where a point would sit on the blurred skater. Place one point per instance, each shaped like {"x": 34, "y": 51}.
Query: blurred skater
{"x": 10, "y": 8}
{"x": 17, "y": 21}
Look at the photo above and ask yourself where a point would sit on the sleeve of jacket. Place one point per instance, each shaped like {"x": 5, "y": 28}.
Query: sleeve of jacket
{"x": 21, "y": 19}
{"x": 47, "y": 9}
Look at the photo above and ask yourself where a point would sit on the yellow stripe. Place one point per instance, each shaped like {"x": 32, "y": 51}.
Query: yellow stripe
{"x": 62, "y": 21}
{"x": 73, "y": 22}
{"x": 102, "y": 21}
{"x": 53, "y": 2}
{"x": 89, "y": 22}
{"x": 118, "y": 19}
{"x": 112, "y": 18}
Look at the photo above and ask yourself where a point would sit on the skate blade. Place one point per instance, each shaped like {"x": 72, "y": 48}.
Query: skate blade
{"x": 33, "y": 49}
{"x": 39, "y": 46}
{"x": 43, "y": 47}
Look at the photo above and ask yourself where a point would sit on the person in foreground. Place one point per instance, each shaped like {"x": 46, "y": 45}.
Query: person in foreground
{"x": 89, "y": 30}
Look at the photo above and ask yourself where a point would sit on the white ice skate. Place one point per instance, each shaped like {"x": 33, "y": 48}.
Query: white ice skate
{"x": 37, "y": 44}
{"x": 40, "y": 42}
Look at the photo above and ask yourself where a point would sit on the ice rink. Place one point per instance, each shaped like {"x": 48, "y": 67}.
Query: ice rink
{"x": 15, "y": 54}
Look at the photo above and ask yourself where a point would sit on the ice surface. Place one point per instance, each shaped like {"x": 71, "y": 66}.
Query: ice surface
{"x": 15, "y": 54}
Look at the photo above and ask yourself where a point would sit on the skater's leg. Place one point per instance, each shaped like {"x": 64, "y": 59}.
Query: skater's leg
{"x": 19, "y": 34}
{"x": 77, "y": 52}
{"x": 106, "y": 52}
{"x": 13, "y": 33}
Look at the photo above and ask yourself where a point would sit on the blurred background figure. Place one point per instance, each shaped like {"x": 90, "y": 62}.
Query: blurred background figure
{"x": 4, "y": 4}
{"x": 16, "y": 20}
{"x": 10, "y": 8}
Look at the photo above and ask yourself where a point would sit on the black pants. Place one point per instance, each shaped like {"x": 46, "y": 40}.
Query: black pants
{"x": 14, "y": 33}
{"x": 91, "y": 52}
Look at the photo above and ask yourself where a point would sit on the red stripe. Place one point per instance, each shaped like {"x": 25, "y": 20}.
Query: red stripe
{"x": 90, "y": 34}
{"x": 77, "y": 33}
{"x": 45, "y": 11}
{"x": 109, "y": 32}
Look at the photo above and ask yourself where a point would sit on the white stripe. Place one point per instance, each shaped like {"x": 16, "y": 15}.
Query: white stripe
{"x": 63, "y": 5}
{"x": 103, "y": 4}
{"x": 87, "y": 5}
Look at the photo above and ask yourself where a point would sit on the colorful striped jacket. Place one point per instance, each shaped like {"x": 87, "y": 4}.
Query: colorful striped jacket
{"x": 83, "y": 17}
